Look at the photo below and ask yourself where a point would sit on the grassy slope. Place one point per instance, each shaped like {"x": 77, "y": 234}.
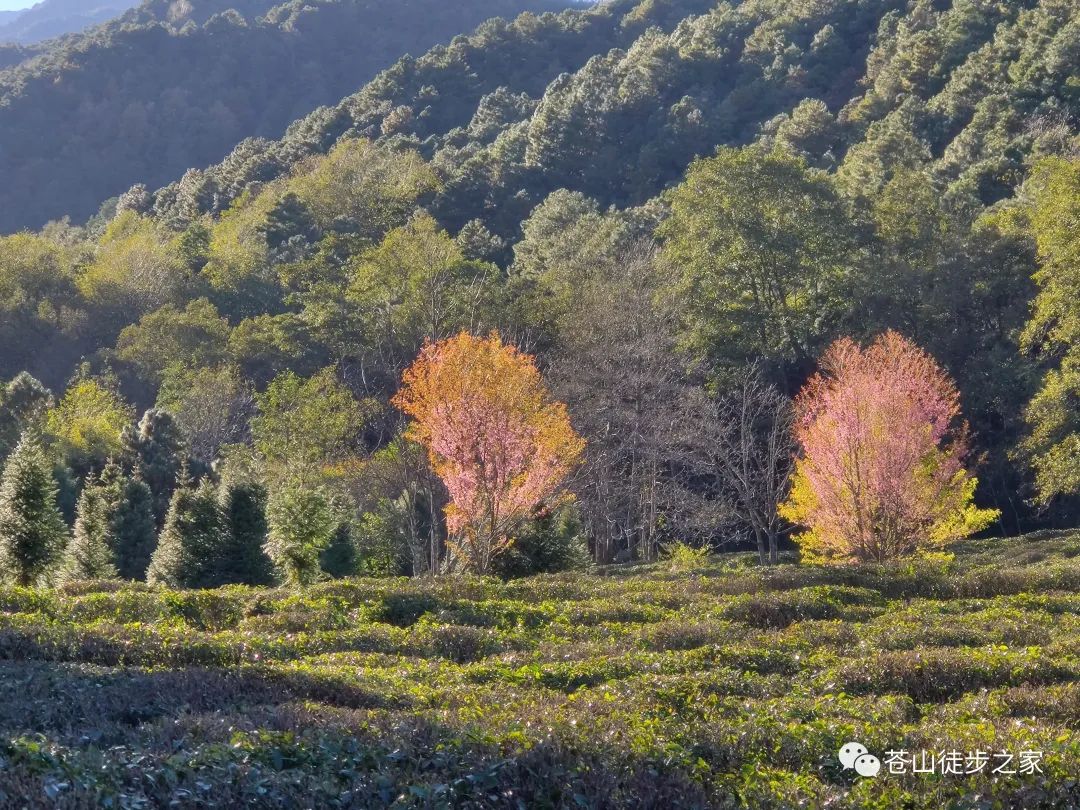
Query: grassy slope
{"x": 725, "y": 686}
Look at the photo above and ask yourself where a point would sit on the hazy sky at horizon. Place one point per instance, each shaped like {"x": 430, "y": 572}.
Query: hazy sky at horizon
{"x": 12, "y": 5}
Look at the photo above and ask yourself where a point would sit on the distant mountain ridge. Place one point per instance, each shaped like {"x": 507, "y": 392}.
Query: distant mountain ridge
{"x": 170, "y": 85}
{"x": 53, "y": 18}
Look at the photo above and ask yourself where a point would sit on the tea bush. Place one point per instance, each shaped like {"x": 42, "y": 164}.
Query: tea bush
{"x": 724, "y": 686}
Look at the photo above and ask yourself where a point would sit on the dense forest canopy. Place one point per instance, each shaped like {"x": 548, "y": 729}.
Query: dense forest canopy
{"x": 647, "y": 196}
{"x": 168, "y": 86}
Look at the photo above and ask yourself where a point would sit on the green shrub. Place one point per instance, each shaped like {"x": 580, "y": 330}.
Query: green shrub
{"x": 405, "y": 609}
{"x": 553, "y": 543}
{"x": 825, "y": 602}
{"x": 459, "y": 643}
{"x": 684, "y": 557}
{"x": 935, "y": 674}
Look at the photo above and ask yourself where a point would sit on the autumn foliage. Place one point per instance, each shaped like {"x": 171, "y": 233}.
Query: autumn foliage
{"x": 499, "y": 443}
{"x": 881, "y": 472}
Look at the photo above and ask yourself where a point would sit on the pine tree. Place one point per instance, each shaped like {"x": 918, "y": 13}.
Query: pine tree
{"x": 243, "y": 559}
{"x": 89, "y": 555}
{"x": 188, "y": 549}
{"x": 340, "y": 558}
{"x": 156, "y": 446}
{"x": 23, "y": 402}
{"x": 290, "y": 218}
{"x": 32, "y": 531}
{"x": 301, "y": 527}
{"x": 208, "y": 535}
{"x": 478, "y": 243}
{"x": 131, "y": 521}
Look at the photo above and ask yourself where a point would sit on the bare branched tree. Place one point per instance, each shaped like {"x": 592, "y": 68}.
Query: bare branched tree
{"x": 618, "y": 369}
{"x": 213, "y": 408}
{"x": 751, "y": 453}
{"x": 400, "y": 473}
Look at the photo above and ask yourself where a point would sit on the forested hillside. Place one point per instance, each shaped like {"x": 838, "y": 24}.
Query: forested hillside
{"x": 966, "y": 92}
{"x": 390, "y": 462}
{"x": 174, "y": 85}
{"x": 669, "y": 203}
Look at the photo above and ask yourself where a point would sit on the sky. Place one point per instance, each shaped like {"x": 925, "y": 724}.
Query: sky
{"x": 11, "y": 5}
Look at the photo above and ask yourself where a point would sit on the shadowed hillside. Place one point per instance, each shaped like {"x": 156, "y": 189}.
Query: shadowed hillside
{"x": 168, "y": 87}
{"x": 52, "y": 18}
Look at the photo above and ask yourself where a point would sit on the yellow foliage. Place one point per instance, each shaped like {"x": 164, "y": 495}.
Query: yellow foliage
{"x": 136, "y": 266}
{"x": 373, "y": 185}
{"x": 500, "y": 444}
{"x": 31, "y": 268}
{"x": 955, "y": 516}
{"x": 87, "y": 422}
{"x": 237, "y": 247}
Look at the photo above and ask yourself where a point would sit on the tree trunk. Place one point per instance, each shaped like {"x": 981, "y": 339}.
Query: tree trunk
{"x": 774, "y": 551}
{"x": 760, "y": 537}
{"x": 433, "y": 531}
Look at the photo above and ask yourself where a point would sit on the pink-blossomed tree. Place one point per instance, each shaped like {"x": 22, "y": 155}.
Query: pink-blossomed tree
{"x": 881, "y": 471}
{"x": 499, "y": 443}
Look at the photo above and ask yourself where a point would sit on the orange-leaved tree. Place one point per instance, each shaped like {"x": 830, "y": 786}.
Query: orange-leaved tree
{"x": 881, "y": 470}
{"x": 494, "y": 436}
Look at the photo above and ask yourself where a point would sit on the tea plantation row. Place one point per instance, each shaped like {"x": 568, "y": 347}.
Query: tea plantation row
{"x": 724, "y": 686}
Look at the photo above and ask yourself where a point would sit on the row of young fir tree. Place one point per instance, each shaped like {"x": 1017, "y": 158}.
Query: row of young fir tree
{"x": 212, "y": 535}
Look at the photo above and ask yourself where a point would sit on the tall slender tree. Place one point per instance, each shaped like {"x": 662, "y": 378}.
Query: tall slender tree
{"x": 32, "y": 530}
{"x": 187, "y": 554}
{"x": 243, "y": 559}
{"x": 131, "y": 519}
{"x": 23, "y": 403}
{"x": 1053, "y": 334}
{"x": 750, "y": 448}
{"x": 156, "y": 446}
{"x": 89, "y": 555}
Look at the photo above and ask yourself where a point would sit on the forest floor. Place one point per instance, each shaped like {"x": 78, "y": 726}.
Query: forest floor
{"x": 639, "y": 686}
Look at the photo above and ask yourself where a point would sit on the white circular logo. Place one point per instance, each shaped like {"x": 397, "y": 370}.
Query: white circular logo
{"x": 867, "y": 765}
{"x": 851, "y": 752}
